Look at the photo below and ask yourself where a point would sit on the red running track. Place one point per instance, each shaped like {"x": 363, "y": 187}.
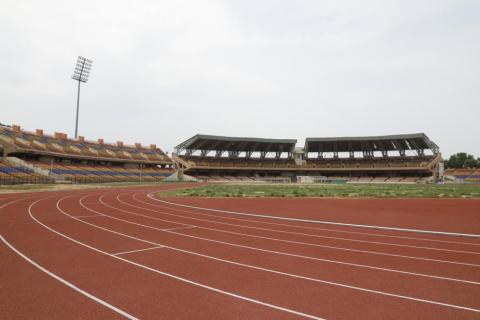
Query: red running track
{"x": 122, "y": 253}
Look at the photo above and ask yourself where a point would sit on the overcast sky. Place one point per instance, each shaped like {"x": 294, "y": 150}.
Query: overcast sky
{"x": 166, "y": 70}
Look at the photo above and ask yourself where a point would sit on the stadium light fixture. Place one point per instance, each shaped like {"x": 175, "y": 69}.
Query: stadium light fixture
{"x": 81, "y": 74}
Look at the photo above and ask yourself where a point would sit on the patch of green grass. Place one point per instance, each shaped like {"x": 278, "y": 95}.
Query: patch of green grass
{"x": 333, "y": 191}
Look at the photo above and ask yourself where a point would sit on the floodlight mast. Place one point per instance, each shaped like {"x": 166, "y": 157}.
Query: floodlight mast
{"x": 81, "y": 74}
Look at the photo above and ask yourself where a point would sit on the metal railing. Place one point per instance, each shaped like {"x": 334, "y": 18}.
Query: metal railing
{"x": 9, "y": 180}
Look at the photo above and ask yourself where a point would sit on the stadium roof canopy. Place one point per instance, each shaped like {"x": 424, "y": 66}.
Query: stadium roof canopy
{"x": 402, "y": 142}
{"x": 236, "y": 144}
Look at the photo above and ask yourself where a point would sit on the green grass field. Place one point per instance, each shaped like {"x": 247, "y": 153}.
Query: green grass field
{"x": 332, "y": 191}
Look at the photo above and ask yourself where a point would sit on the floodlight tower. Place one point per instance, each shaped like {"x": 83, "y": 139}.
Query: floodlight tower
{"x": 81, "y": 74}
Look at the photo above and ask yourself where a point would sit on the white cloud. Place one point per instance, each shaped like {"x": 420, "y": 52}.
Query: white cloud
{"x": 165, "y": 70}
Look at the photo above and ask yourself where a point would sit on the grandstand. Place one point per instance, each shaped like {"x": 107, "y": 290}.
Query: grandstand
{"x": 35, "y": 157}
{"x": 469, "y": 175}
{"x": 407, "y": 158}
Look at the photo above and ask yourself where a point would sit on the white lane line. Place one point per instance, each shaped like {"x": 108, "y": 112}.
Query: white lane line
{"x": 68, "y": 284}
{"x": 275, "y": 271}
{"x": 379, "y": 235}
{"x": 4, "y": 200}
{"x": 15, "y": 201}
{"x": 227, "y": 293}
{"x": 271, "y": 251}
{"x": 334, "y": 238}
{"x": 279, "y": 240}
{"x": 89, "y": 216}
{"x": 179, "y": 228}
{"x": 325, "y": 260}
{"x": 443, "y": 233}
{"x": 139, "y": 250}
{"x": 119, "y": 219}
{"x": 266, "y": 250}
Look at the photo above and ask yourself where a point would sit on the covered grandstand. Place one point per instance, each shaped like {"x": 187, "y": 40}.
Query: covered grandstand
{"x": 35, "y": 157}
{"x": 394, "y": 158}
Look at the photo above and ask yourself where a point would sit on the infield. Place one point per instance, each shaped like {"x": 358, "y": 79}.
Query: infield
{"x": 333, "y": 191}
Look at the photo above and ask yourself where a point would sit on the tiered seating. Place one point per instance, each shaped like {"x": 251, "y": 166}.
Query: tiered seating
{"x": 474, "y": 177}
{"x": 213, "y": 162}
{"x": 322, "y": 163}
{"x": 89, "y": 173}
{"x": 78, "y": 160}
{"x": 374, "y": 163}
{"x": 394, "y": 179}
{"x": 460, "y": 173}
{"x": 381, "y": 179}
{"x": 59, "y": 145}
{"x": 411, "y": 179}
{"x": 471, "y": 175}
{"x": 15, "y": 175}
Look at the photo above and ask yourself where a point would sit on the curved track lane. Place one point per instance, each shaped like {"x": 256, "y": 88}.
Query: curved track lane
{"x": 121, "y": 253}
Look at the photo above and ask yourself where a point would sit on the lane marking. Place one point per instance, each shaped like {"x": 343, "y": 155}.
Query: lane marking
{"x": 287, "y": 254}
{"x": 4, "y": 200}
{"x": 120, "y": 219}
{"x": 139, "y": 250}
{"x": 16, "y": 200}
{"x": 273, "y": 271}
{"x": 380, "y": 235}
{"x": 305, "y": 315}
{"x": 323, "y": 237}
{"x": 280, "y": 240}
{"x": 89, "y": 216}
{"x": 327, "y": 260}
{"x": 443, "y": 233}
{"x": 271, "y": 251}
{"x": 68, "y": 284}
{"x": 179, "y": 228}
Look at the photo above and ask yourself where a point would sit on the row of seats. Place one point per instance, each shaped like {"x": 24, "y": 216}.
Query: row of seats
{"x": 378, "y": 179}
{"x": 227, "y": 178}
{"x": 61, "y": 145}
{"x": 239, "y": 162}
{"x": 10, "y": 174}
{"x": 85, "y": 173}
{"x": 414, "y": 179}
{"x": 311, "y": 163}
{"x": 463, "y": 173}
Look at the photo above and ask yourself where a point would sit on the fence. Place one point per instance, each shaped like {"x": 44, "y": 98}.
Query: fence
{"x": 8, "y": 180}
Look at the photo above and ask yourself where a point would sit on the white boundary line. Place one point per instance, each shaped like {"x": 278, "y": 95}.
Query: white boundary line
{"x": 16, "y": 200}
{"x": 277, "y": 252}
{"x": 179, "y": 228}
{"x": 273, "y": 271}
{"x": 6, "y": 198}
{"x": 274, "y": 239}
{"x": 313, "y": 235}
{"x": 69, "y": 284}
{"x": 89, "y": 216}
{"x": 324, "y": 222}
{"x": 139, "y": 250}
{"x": 165, "y": 273}
{"x": 380, "y": 235}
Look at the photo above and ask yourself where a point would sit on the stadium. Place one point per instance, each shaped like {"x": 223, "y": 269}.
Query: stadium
{"x": 240, "y": 160}
{"x": 399, "y": 158}
{"x": 35, "y": 157}
{"x": 169, "y": 245}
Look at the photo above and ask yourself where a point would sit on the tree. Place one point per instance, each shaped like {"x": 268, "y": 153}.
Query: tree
{"x": 462, "y": 160}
